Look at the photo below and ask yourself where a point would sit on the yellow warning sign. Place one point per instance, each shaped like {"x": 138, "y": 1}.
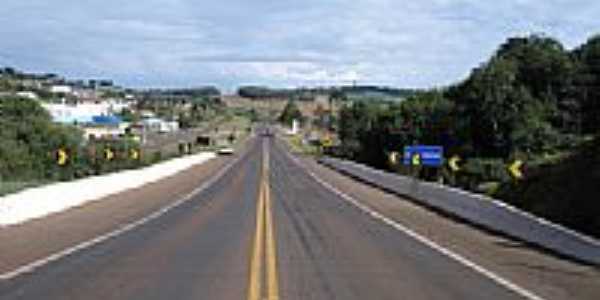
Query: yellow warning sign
{"x": 453, "y": 163}
{"x": 109, "y": 154}
{"x": 62, "y": 157}
{"x": 515, "y": 169}
{"x": 134, "y": 154}
{"x": 416, "y": 159}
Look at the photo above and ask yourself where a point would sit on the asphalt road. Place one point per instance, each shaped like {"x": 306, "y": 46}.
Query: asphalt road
{"x": 265, "y": 229}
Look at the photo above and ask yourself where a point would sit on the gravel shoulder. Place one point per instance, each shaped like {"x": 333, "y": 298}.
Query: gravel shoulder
{"x": 533, "y": 269}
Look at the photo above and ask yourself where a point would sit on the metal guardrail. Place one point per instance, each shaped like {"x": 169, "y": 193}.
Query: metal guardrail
{"x": 480, "y": 210}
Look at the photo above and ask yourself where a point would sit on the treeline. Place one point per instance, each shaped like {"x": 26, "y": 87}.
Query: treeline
{"x": 533, "y": 100}
{"x": 188, "y": 106}
{"x": 308, "y": 94}
{"x": 12, "y": 79}
{"x": 255, "y": 92}
{"x": 533, "y": 96}
{"x": 290, "y": 113}
{"x": 375, "y": 93}
{"x": 188, "y": 111}
{"x": 14, "y": 73}
{"x": 178, "y": 94}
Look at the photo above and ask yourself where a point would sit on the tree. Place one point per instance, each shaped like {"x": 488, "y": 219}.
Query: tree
{"x": 289, "y": 113}
{"x": 543, "y": 65}
{"x": 321, "y": 115}
{"x": 29, "y": 139}
{"x": 587, "y": 82}
{"x": 257, "y": 92}
{"x": 427, "y": 118}
{"x": 547, "y": 71}
{"x": 359, "y": 130}
{"x": 521, "y": 90}
{"x": 484, "y": 101}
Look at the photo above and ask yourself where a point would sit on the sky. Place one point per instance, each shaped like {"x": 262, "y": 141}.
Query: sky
{"x": 280, "y": 43}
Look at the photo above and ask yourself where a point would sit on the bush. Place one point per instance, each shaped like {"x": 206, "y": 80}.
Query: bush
{"x": 30, "y": 141}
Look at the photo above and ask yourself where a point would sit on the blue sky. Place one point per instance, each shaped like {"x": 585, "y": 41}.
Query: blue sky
{"x": 283, "y": 43}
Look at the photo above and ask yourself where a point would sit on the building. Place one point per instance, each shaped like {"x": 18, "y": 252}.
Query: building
{"x": 58, "y": 89}
{"x": 159, "y": 125}
{"x": 102, "y": 127}
{"x": 82, "y": 111}
{"x": 118, "y": 105}
{"x": 322, "y": 100}
{"x": 87, "y": 95}
{"x": 96, "y": 120}
{"x": 28, "y": 95}
{"x": 77, "y": 113}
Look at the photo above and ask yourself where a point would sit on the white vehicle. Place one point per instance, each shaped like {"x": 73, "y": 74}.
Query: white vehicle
{"x": 226, "y": 151}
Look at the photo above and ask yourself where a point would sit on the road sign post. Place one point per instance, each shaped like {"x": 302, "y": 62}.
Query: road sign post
{"x": 421, "y": 155}
{"x": 393, "y": 158}
{"x": 62, "y": 157}
{"x": 134, "y": 154}
{"x": 515, "y": 169}
{"x": 453, "y": 163}
{"x": 108, "y": 154}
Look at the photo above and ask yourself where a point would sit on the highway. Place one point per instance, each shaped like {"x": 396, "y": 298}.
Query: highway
{"x": 266, "y": 227}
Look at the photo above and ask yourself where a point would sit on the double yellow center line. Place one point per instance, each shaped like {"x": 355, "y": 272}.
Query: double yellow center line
{"x": 264, "y": 254}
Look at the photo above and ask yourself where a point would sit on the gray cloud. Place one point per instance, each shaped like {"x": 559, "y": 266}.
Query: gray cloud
{"x": 184, "y": 42}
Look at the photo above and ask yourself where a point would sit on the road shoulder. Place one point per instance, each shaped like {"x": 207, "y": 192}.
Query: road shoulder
{"x": 548, "y": 276}
{"x": 35, "y": 239}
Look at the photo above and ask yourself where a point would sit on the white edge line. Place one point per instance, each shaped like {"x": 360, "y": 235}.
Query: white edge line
{"x": 487, "y": 199}
{"x": 32, "y": 266}
{"x": 447, "y": 252}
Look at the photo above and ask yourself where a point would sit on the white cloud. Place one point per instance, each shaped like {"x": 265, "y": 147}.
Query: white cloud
{"x": 182, "y": 42}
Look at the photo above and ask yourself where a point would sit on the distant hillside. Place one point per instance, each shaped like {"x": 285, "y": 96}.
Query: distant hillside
{"x": 165, "y": 94}
{"x": 377, "y": 91}
{"x": 365, "y": 92}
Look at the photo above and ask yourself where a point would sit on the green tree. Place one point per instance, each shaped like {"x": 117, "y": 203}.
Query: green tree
{"x": 520, "y": 91}
{"x": 587, "y": 83}
{"x": 290, "y": 112}
{"x": 30, "y": 139}
{"x": 543, "y": 65}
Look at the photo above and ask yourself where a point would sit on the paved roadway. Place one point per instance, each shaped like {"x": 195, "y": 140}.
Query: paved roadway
{"x": 265, "y": 229}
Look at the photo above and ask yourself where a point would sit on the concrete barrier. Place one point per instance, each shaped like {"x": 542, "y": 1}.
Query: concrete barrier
{"x": 41, "y": 201}
{"x": 480, "y": 210}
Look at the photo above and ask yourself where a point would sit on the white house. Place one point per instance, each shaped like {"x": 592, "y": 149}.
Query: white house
{"x": 82, "y": 112}
{"x": 86, "y": 95}
{"x": 76, "y": 113}
{"x": 118, "y": 105}
{"x": 159, "y": 125}
{"x": 65, "y": 89}
{"x": 105, "y": 127}
{"x": 28, "y": 95}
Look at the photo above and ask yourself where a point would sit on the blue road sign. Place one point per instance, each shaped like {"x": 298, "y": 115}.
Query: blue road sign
{"x": 431, "y": 156}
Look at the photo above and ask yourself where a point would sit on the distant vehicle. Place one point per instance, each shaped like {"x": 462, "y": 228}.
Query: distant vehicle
{"x": 203, "y": 140}
{"x": 267, "y": 132}
{"x": 226, "y": 151}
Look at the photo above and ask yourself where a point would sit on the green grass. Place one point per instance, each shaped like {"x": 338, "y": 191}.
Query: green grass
{"x": 564, "y": 191}
{"x": 9, "y": 187}
{"x": 296, "y": 145}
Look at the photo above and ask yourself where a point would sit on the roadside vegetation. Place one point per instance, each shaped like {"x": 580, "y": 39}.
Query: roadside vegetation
{"x": 290, "y": 113}
{"x": 30, "y": 145}
{"x": 307, "y": 94}
{"x": 31, "y": 141}
{"x": 189, "y": 107}
{"x": 533, "y": 101}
